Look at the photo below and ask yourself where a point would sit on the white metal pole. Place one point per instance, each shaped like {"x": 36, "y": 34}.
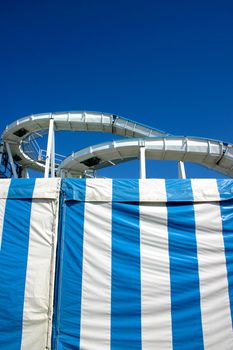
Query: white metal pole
{"x": 53, "y": 156}
{"x": 142, "y": 162}
{"x": 62, "y": 173}
{"x": 181, "y": 170}
{"x": 49, "y": 148}
{"x": 1, "y": 153}
{"x": 25, "y": 173}
{"x": 8, "y": 149}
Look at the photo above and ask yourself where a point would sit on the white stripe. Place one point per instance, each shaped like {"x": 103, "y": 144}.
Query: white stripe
{"x": 152, "y": 190}
{"x": 39, "y": 284}
{"x": 96, "y": 280}
{"x": 215, "y": 306}
{"x": 98, "y": 190}
{"x": 47, "y": 188}
{"x": 4, "y": 185}
{"x": 155, "y": 272}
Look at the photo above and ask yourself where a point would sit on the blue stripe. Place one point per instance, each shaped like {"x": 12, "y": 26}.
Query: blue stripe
{"x": 21, "y": 188}
{"x": 225, "y": 188}
{"x": 72, "y": 189}
{"x": 69, "y": 295}
{"x": 226, "y": 207}
{"x": 126, "y": 282}
{"x": 13, "y": 264}
{"x": 185, "y": 293}
{"x": 125, "y": 190}
{"x": 178, "y": 190}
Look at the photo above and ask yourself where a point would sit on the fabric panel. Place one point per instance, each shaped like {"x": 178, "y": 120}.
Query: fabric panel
{"x": 96, "y": 278}
{"x": 4, "y": 187}
{"x": 145, "y": 264}
{"x": 185, "y": 293}
{"x": 215, "y": 307}
{"x": 40, "y": 276}
{"x": 23, "y": 188}
{"x": 226, "y": 208}
{"x": 126, "y": 281}
{"x": 69, "y": 289}
{"x": 13, "y": 266}
{"x": 155, "y": 271}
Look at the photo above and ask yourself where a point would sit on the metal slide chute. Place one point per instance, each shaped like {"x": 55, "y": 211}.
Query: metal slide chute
{"x": 209, "y": 153}
{"x": 26, "y": 130}
{"x": 22, "y": 151}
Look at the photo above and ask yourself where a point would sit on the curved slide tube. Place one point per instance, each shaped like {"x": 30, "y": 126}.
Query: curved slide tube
{"x": 215, "y": 155}
{"x": 16, "y": 133}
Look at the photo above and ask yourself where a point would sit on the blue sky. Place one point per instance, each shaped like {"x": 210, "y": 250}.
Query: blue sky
{"x": 168, "y": 64}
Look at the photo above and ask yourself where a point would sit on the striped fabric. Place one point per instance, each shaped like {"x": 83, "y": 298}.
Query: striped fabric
{"x": 139, "y": 264}
{"x": 145, "y": 264}
{"x": 28, "y": 226}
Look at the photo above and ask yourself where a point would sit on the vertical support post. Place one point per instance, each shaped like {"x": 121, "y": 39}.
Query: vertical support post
{"x": 8, "y": 149}
{"x": 142, "y": 162}
{"x": 53, "y": 156}
{"x": 49, "y": 148}
{"x": 1, "y": 153}
{"x": 181, "y": 170}
{"x": 25, "y": 173}
{"x": 63, "y": 173}
{"x": 39, "y": 154}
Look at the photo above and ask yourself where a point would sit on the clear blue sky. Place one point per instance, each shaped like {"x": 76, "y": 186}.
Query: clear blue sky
{"x": 168, "y": 64}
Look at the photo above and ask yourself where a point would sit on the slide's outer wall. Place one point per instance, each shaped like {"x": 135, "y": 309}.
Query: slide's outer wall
{"x": 141, "y": 264}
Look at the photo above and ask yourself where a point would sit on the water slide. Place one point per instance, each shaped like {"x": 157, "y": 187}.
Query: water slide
{"x": 20, "y": 144}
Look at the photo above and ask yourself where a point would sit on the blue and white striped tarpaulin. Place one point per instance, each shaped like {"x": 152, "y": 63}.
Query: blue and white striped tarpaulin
{"x": 28, "y": 227}
{"x": 145, "y": 264}
{"x": 139, "y": 264}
